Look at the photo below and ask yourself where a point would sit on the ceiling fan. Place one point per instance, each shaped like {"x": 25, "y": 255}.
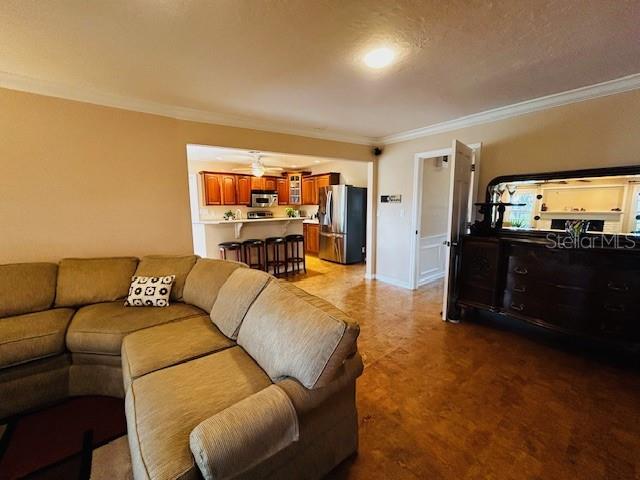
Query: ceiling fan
{"x": 257, "y": 167}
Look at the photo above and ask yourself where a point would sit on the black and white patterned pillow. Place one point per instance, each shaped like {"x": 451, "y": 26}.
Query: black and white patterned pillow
{"x": 150, "y": 291}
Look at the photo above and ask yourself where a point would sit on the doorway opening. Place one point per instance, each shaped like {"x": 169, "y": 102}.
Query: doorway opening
{"x": 238, "y": 194}
{"x": 445, "y": 188}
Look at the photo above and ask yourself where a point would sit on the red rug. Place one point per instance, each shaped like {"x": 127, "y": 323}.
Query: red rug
{"x": 57, "y": 441}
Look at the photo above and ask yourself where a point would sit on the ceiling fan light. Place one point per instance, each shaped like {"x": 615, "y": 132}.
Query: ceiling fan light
{"x": 257, "y": 170}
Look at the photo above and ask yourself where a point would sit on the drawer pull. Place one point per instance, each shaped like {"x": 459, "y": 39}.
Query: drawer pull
{"x": 521, "y": 270}
{"x": 623, "y": 287}
{"x": 517, "y": 307}
{"x": 613, "y": 308}
{"x": 520, "y": 289}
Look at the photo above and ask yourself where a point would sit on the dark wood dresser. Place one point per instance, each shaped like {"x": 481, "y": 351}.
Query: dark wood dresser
{"x": 586, "y": 291}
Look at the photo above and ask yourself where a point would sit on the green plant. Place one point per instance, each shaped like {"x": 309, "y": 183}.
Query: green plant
{"x": 291, "y": 212}
{"x": 518, "y": 222}
{"x": 229, "y": 215}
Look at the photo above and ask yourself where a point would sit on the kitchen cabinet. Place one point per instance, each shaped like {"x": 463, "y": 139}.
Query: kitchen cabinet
{"x": 229, "y": 191}
{"x": 257, "y": 183}
{"x": 309, "y": 191}
{"x": 283, "y": 191}
{"x": 294, "y": 181}
{"x": 311, "y": 232}
{"x": 234, "y": 189}
{"x": 212, "y": 188}
{"x": 243, "y": 184}
{"x": 264, "y": 183}
{"x": 270, "y": 183}
{"x": 311, "y": 185}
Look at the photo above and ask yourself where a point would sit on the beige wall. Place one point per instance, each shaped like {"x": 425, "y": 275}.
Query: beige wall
{"x": 79, "y": 180}
{"x": 595, "y": 133}
{"x": 351, "y": 173}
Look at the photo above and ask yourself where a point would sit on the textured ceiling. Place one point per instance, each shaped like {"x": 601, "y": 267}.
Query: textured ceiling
{"x": 298, "y": 62}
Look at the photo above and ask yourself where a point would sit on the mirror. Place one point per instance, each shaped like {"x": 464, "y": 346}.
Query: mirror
{"x": 606, "y": 201}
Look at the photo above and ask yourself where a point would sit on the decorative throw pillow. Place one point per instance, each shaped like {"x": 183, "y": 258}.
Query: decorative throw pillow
{"x": 150, "y": 291}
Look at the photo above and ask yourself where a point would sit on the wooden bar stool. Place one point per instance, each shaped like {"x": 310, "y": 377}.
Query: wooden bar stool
{"x": 278, "y": 258}
{"x": 293, "y": 244}
{"x": 231, "y": 247}
{"x": 254, "y": 245}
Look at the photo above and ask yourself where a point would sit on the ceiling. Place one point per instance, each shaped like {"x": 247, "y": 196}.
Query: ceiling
{"x": 297, "y": 63}
{"x": 205, "y": 153}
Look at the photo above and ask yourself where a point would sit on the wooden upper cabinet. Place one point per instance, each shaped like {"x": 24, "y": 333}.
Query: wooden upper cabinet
{"x": 270, "y": 183}
{"x": 212, "y": 188}
{"x": 243, "y": 185}
{"x": 257, "y": 183}
{"x": 309, "y": 191}
{"x": 283, "y": 191}
{"x": 232, "y": 189}
{"x": 311, "y": 186}
{"x": 229, "y": 193}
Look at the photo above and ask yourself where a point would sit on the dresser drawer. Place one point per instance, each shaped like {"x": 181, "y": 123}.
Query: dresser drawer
{"x": 522, "y": 304}
{"x": 616, "y": 327}
{"x": 563, "y": 268}
{"x": 623, "y": 282}
{"x": 474, "y": 294}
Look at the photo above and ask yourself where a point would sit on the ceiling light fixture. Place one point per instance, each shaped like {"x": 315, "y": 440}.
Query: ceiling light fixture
{"x": 257, "y": 169}
{"x": 379, "y": 58}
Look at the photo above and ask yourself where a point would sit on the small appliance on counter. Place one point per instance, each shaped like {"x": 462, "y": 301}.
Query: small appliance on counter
{"x": 264, "y": 198}
{"x": 260, "y": 214}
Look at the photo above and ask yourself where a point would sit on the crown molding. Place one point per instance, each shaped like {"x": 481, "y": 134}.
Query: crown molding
{"x": 53, "y": 89}
{"x": 611, "y": 87}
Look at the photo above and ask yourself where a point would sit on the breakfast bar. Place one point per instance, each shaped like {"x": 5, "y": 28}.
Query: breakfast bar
{"x": 208, "y": 234}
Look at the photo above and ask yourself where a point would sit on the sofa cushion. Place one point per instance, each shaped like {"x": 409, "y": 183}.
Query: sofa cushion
{"x": 150, "y": 291}
{"x": 163, "y": 408}
{"x": 205, "y": 280}
{"x": 236, "y": 296}
{"x": 163, "y": 265}
{"x": 82, "y": 281}
{"x": 33, "y": 335}
{"x": 26, "y": 287}
{"x": 100, "y": 328}
{"x": 245, "y": 434}
{"x": 147, "y": 350}
{"x": 289, "y": 333}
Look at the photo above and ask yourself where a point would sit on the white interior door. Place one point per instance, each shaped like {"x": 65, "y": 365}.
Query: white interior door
{"x": 461, "y": 164}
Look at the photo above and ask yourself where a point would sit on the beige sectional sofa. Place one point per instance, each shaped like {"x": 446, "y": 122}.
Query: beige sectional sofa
{"x": 242, "y": 376}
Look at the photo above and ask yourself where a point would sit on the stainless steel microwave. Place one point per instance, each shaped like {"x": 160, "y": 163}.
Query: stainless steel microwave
{"x": 264, "y": 198}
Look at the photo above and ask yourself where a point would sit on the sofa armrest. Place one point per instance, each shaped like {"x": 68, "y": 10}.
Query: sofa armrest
{"x": 245, "y": 434}
{"x": 305, "y": 399}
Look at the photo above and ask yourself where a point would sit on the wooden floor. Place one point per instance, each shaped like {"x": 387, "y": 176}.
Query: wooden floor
{"x": 473, "y": 400}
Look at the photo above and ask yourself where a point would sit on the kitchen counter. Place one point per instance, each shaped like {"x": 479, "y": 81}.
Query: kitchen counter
{"x": 313, "y": 221}
{"x": 208, "y": 234}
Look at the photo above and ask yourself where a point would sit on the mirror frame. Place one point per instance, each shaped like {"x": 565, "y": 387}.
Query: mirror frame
{"x": 559, "y": 175}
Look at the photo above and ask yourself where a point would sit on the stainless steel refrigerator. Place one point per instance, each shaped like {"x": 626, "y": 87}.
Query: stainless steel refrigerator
{"x": 342, "y": 215}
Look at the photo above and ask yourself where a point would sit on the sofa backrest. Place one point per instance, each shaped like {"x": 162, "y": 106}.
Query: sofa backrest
{"x": 205, "y": 279}
{"x": 235, "y": 298}
{"x": 162, "y": 265}
{"x": 26, "y": 287}
{"x": 82, "y": 281}
{"x": 293, "y": 334}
